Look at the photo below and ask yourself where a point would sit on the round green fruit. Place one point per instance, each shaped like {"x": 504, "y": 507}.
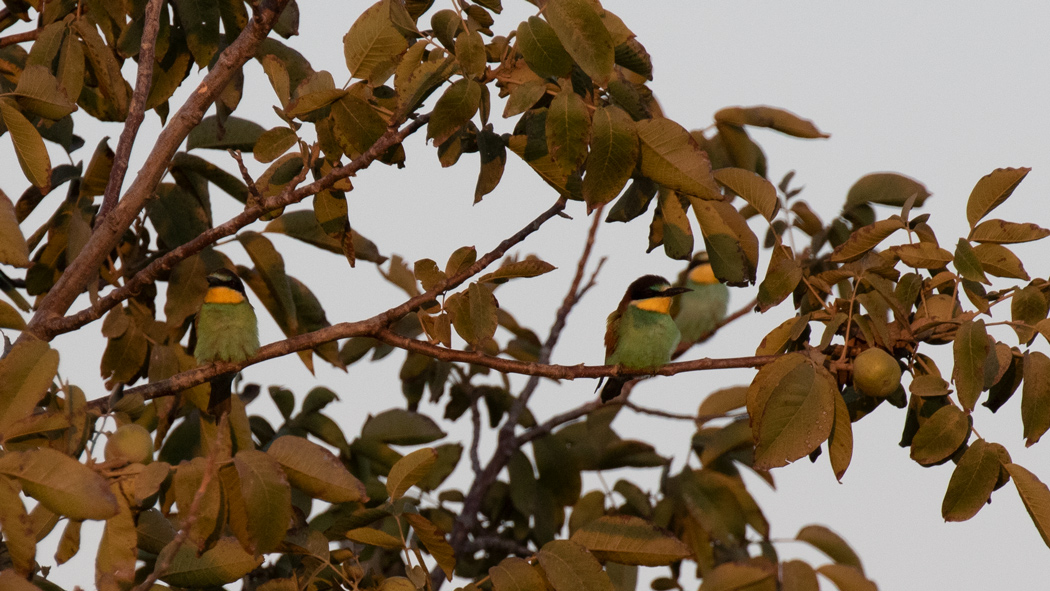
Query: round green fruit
{"x": 876, "y": 373}
{"x": 130, "y": 443}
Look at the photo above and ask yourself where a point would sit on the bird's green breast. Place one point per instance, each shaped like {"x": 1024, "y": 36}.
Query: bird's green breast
{"x": 227, "y": 332}
{"x": 644, "y": 339}
{"x": 700, "y": 310}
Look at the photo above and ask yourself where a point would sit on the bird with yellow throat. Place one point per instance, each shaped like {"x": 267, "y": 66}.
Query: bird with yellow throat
{"x": 227, "y": 330}
{"x": 699, "y": 312}
{"x": 640, "y": 333}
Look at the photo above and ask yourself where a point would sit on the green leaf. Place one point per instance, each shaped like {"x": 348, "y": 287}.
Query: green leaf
{"x": 38, "y": 93}
{"x": 434, "y": 541}
{"x": 734, "y": 577}
{"x": 230, "y": 184}
{"x": 493, "y": 152}
{"x": 846, "y": 578}
{"x": 26, "y": 374}
{"x": 272, "y": 143}
{"x": 885, "y": 188}
{"x": 940, "y": 436}
{"x": 13, "y": 581}
{"x": 401, "y": 427}
{"x": 542, "y": 50}
{"x": 18, "y": 531}
{"x": 570, "y": 567}
{"x": 177, "y": 215}
{"x": 448, "y": 456}
{"x": 200, "y": 21}
{"x": 613, "y": 156}
{"x": 999, "y": 261}
{"x": 752, "y": 188}
{"x": 10, "y": 318}
{"x": 968, "y": 264}
{"x": 1036, "y": 498}
{"x": 792, "y": 407}
{"x": 630, "y": 540}
{"x": 865, "y": 238}
{"x": 1028, "y": 307}
{"x": 223, "y": 563}
{"x": 356, "y": 125}
{"x": 671, "y": 227}
{"x": 374, "y": 537}
{"x": 516, "y": 574}
{"x": 731, "y": 245}
{"x": 1035, "y": 397}
{"x": 417, "y": 82}
{"x": 233, "y": 134}
{"x": 13, "y": 248}
{"x": 923, "y": 255}
{"x": 270, "y": 265}
{"x": 315, "y": 470}
{"x": 453, "y": 110}
{"x": 302, "y": 225}
{"x": 796, "y": 575}
{"x": 1002, "y": 232}
{"x": 782, "y": 276}
{"x": 971, "y": 358}
{"x": 106, "y": 69}
{"x": 991, "y": 191}
{"x": 529, "y": 267}
{"x": 372, "y": 42}
{"x": 568, "y": 130}
{"x": 972, "y": 481}
{"x": 470, "y": 53}
{"x": 29, "y": 146}
{"x": 840, "y": 442}
{"x": 408, "y": 471}
{"x": 117, "y": 551}
{"x": 187, "y": 285}
{"x": 671, "y": 157}
{"x": 783, "y": 121}
{"x": 830, "y": 543}
{"x": 60, "y": 483}
{"x": 267, "y": 498}
{"x": 583, "y": 34}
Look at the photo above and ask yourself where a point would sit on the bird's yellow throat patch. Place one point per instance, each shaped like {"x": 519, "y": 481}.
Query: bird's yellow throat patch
{"x": 658, "y": 305}
{"x": 703, "y": 275}
{"x": 223, "y": 295}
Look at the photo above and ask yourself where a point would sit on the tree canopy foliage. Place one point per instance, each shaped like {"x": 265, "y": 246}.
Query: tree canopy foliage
{"x": 190, "y": 500}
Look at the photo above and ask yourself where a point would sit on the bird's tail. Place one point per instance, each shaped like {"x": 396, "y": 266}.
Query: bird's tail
{"x": 613, "y": 387}
{"x": 219, "y": 401}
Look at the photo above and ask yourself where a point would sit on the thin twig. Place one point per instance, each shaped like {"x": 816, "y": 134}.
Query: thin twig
{"x": 165, "y": 263}
{"x": 136, "y": 110}
{"x": 210, "y": 469}
{"x": 370, "y": 327}
{"x": 558, "y": 420}
{"x": 506, "y": 444}
{"x": 656, "y": 412}
{"x": 108, "y": 233}
{"x": 475, "y": 441}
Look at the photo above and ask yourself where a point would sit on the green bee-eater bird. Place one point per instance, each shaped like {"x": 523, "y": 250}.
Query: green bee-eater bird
{"x": 227, "y": 330}
{"x": 698, "y": 312}
{"x": 640, "y": 334}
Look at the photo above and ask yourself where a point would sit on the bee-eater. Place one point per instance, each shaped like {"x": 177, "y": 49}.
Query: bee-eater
{"x": 698, "y": 312}
{"x": 227, "y": 330}
{"x": 640, "y": 334}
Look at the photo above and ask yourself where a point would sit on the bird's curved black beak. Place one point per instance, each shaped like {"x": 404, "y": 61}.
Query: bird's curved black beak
{"x": 673, "y": 291}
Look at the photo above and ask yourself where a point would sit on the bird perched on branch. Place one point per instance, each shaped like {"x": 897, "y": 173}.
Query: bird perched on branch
{"x": 640, "y": 334}
{"x": 227, "y": 330}
{"x": 698, "y": 312}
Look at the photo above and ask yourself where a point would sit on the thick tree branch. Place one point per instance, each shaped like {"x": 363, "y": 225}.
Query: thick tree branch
{"x": 162, "y": 265}
{"x": 136, "y": 111}
{"x": 108, "y": 233}
{"x": 368, "y": 327}
{"x": 19, "y": 38}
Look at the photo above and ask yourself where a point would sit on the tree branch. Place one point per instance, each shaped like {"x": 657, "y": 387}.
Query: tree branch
{"x": 19, "y": 38}
{"x": 108, "y": 233}
{"x": 251, "y": 213}
{"x": 369, "y": 327}
{"x": 136, "y": 111}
